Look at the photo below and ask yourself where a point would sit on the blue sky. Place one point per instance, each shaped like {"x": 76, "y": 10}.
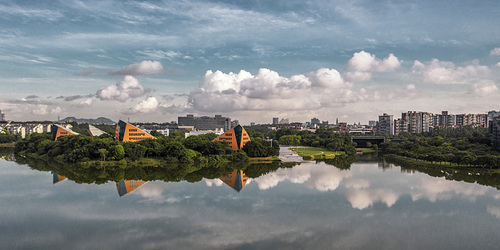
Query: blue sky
{"x": 250, "y": 60}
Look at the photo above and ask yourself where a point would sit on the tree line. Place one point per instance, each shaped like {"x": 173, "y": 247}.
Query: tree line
{"x": 463, "y": 146}
{"x": 173, "y": 148}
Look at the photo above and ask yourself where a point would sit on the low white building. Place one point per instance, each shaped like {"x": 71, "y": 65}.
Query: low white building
{"x": 217, "y": 131}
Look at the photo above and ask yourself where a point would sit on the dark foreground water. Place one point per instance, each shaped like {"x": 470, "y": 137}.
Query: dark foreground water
{"x": 372, "y": 205}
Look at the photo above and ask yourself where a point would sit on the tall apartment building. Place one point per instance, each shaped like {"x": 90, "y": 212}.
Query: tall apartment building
{"x": 400, "y": 126}
{"x": 494, "y": 131}
{"x": 414, "y": 122}
{"x": 385, "y": 124}
{"x": 206, "y": 122}
{"x": 2, "y": 116}
{"x": 315, "y": 121}
{"x": 276, "y": 120}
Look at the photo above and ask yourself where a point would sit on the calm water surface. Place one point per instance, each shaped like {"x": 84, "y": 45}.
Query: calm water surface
{"x": 372, "y": 205}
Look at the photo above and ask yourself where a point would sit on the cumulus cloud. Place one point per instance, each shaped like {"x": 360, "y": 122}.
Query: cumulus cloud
{"x": 484, "y": 88}
{"x": 128, "y": 88}
{"x": 365, "y": 62}
{"x": 142, "y": 68}
{"x": 358, "y": 76}
{"x": 147, "y": 106}
{"x": 269, "y": 91}
{"x": 446, "y": 72}
{"x": 87, "y": 103}
{"x": 495, "y": 52}
{"x": 43, "y": 109}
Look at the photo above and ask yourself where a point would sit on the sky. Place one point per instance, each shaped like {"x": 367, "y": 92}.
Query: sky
{"x": 152, "y": 61}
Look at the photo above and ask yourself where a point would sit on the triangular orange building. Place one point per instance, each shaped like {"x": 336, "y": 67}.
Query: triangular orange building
{"x": 236, "y": 137}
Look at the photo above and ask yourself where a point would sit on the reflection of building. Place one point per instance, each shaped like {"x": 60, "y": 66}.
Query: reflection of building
{"x": 57, "y": 178}
{"x": 126, "y": 132}
{"x": 236, "y": 180}
{"x": 237, "y": 137}
{"x": 58, "y": 131}
{"x": 93, "y": 131}
{"x": 126, "y": 186}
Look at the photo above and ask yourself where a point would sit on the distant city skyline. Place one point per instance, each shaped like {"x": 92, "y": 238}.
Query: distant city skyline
{"x": 251, "y": 61}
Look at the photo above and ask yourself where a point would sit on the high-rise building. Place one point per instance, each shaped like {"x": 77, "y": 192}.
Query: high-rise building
{"x": 276, "y": 120}
{"x": 385, "y": 124}
{"x": 494, "y": 131}
{"x": 2, "y": 116}
{"x": 237, "y": 137}
{"x": 206, "y": 122}
{"x": 315, "y": 121}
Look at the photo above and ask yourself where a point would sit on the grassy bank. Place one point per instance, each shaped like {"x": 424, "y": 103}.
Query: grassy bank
{"x": 317, "y": 153}
{"x": 421, "y": 163}
{"x": 264, "y": 159}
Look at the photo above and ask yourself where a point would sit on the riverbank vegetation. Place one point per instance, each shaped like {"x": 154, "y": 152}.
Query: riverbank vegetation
{"x": 171, "y": 149}
{"x": 317, "y": 153}
{"x": 465, "y": 146}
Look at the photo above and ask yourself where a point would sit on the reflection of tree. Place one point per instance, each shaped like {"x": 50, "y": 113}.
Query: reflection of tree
{"x": 467, "y": 175}
{"x": 167, "y": 173}
{"x": 343, "y": 162}
{"x": 6, "y": 152}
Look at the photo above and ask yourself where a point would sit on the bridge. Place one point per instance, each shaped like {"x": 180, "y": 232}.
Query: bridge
{"x": 362, "y": 140}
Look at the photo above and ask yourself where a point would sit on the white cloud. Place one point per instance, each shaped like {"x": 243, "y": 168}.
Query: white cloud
{"x": 495, "y": 52}
{"x": 125, "y": 89}
{"x": 40, "y": 110}
{"x": 446, "y": 72}
{"x": 142, "y": 68}
{"x": 146, "y": 106}
{"x": 87, "y": 102}
{"x": 43, "y": 109}
{"x": 269, "y": 91}
{"x": 366, "y": 62}
{"x": 358, "y": 76}
{"x": 484, "y": 88}
{"x": 498, "y": 64}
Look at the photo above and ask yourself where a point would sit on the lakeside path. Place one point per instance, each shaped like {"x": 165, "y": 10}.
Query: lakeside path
{"x": 288, "y": 155}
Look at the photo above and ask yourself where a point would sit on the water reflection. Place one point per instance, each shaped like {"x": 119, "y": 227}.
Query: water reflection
{"x": 365, "y": 204}
{"x": 237, "y": 179}
{"x": 127, "y": 186}
{"x": 57, "y": 178}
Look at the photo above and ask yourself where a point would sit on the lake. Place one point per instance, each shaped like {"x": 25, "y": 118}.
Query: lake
{"x": 371, "y": 205}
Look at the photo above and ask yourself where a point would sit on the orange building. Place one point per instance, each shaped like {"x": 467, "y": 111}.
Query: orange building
{"x": 126, "y": 186}
{"x": 237, "y": 137}
{"x": 58, "y": 131}
{"x": 236, "y": 180}
{"x": 126, "y": 132}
